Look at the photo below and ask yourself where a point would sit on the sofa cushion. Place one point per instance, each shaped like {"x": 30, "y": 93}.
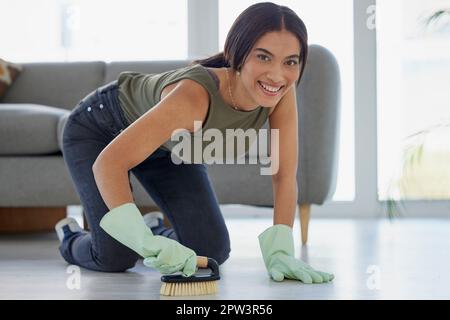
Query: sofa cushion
{"x": 8, "y": 74}
{"x": 29, "y": 129}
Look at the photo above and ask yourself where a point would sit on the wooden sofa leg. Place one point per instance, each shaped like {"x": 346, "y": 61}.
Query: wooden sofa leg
{"x": 27, "y": 219}
{"x": 305, "y": 212}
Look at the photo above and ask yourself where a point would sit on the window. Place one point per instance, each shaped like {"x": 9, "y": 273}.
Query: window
{"x": 413, "y": 101}
{"x": 329, "y": 24}
{"x": 76, "y": 30}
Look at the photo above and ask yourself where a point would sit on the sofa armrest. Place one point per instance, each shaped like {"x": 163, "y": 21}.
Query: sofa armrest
{"x": 318, "y": 99}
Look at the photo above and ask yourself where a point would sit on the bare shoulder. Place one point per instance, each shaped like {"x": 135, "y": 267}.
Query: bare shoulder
{"x": 192, "y": 97}
{"x": 186, "y": 85}
{"x": 187, "y": 102}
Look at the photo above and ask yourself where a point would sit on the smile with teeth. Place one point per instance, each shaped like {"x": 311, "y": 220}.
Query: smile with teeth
{"x": 268, "y": 88}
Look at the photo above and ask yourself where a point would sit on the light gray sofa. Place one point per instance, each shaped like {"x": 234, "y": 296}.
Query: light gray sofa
{"x": 34, "y": 110}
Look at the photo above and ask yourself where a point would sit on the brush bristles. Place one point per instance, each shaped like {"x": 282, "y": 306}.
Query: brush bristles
{"x": 189, "y": 288}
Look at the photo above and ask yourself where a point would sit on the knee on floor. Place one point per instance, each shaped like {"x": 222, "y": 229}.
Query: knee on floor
{"x": 118, "y": 264}
{"x": 222, "y": 257}
{"x": 219, "y": 254}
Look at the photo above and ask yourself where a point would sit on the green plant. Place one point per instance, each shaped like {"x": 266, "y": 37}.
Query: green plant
{"x": 437, "y": 16}
{"x": 417, "y": 163}
{"x": 414, "y": 150}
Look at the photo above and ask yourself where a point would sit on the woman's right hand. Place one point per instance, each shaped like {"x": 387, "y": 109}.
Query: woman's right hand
{"x": 169, "y": 256}
{"x": 126, "y": 224}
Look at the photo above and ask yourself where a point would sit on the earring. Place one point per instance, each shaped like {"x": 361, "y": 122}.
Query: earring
{"x": 238, "y": 73}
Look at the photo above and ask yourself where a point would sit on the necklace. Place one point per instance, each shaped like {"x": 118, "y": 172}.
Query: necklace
{"x": 229, "y": 91}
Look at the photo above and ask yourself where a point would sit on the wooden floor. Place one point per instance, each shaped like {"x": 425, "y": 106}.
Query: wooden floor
{"x": 371, "y": 259}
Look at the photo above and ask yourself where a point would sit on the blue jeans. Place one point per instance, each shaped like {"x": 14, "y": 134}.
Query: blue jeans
{"x": 182, "y": 191}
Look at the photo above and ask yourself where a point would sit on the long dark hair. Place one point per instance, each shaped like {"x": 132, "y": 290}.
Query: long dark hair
{"x": 250, "y": 25}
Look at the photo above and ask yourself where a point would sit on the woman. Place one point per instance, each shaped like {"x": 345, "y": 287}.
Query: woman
{"x": 127, "y": 126}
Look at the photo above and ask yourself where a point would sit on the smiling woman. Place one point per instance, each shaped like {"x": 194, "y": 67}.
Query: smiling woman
{"x": 146, "y": 110}
{"x": 265, "y": 78}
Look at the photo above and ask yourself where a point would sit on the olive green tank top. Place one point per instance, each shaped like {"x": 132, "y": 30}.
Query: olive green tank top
{"x": 139, "y": 92}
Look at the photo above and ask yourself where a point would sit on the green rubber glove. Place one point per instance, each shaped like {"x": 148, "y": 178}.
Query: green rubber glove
{"x": 126, "y": 224}
{"x": 277, "y": 247}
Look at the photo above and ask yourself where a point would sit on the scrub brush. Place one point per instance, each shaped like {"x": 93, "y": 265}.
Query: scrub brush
{"x": 197, "y": 284}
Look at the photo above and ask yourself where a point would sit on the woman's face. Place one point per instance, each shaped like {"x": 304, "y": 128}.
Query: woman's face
{"x": 271, "y": 68}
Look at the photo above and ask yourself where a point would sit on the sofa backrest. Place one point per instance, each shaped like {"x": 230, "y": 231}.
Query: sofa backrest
{"x": 55, "y": 84}
{"x": 64, "y": 84}
{"x": 114, "y": 68}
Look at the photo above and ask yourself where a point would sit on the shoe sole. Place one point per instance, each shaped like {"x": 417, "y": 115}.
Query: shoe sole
{"x": 59, "y": 226}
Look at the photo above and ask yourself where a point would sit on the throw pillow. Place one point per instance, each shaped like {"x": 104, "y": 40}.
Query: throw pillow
{"x": 8, "y": 74}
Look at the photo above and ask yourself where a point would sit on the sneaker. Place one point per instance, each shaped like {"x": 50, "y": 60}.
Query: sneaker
{"x": 154, "y": 219}
{"x": 67, "y": 227}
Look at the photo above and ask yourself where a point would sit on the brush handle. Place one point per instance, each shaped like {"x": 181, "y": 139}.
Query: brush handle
{"x": 202, "y": 262}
